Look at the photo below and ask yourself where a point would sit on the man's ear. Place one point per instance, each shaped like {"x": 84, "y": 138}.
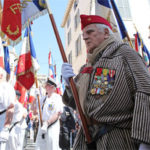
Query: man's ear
{"x": 106, "y": 33}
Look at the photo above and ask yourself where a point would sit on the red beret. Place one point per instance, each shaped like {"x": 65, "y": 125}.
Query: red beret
{"x": 90, "y": 19}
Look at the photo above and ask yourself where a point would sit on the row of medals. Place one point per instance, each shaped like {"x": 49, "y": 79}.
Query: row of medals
{"x": 102, "y": 84}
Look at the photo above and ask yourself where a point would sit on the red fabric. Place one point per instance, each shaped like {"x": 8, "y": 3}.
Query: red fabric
{"x": 24, "y": 74}
{"x": 136, "y": 42}
{"x": 22, "y": 91}
{"x": 31, "y": 98}
{"x": 90, "y": 19}
{"x": 87, "y": 70}
{"x": 11, "y": 19}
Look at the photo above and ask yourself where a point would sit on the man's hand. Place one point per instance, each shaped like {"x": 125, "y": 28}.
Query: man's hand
{"x": 67, "y": 72}
{"x": 4, "y": 134}
{"x": 44, "y": 127}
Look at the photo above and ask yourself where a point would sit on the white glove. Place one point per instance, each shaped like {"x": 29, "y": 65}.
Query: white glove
{"x": 144, "y": 146}
{"x": 67, "y": 72}
{"x": 4, "y": 134}
{"x": 37, "y": 91}
{"x": 44, "y": 127}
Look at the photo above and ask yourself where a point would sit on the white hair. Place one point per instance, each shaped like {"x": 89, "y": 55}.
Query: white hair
{"x": 3, "y": 72}
{"x": 101, "y": 27}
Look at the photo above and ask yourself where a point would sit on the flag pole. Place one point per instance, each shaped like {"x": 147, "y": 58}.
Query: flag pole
{"x": 36, "y": 82}
{"x": 73, "y": 87}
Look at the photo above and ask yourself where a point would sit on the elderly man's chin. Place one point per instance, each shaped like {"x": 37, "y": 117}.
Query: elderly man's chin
{"x": 90, "y": 49}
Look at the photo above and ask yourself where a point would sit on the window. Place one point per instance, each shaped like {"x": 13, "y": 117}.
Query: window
{"x": 124, "y": 9}
{"x": 70, "y": 58}
{"x": 78, "y": 45}
{"x": 68, "y": 22}
{"x": 77, "y": 19}
{"x": 69, "y": 36}
{"x": 75, "y": 4}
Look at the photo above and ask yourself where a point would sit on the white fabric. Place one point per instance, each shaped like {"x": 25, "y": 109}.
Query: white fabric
{"x": 17, "y": 133}
{"x": 51, "y": 142}
{"x": 7, "y": 95}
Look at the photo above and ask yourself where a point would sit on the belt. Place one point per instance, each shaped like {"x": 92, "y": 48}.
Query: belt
{"x": 13, "y": 126}
{"x": 51, "y": 124}
{"x": 3, "y": 111}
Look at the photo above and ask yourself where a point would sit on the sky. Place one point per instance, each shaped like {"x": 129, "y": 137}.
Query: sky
{"x": 44, "y": 38}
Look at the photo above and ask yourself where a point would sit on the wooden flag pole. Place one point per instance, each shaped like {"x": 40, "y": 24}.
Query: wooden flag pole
{"x": 73, "y": 87}
{"x": 36, "y": 82}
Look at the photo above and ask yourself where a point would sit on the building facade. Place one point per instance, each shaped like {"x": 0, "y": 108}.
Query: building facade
{"x": 131, "y": 15}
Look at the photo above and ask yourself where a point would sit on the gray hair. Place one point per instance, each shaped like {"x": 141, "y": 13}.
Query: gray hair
{"x": 101, "y": 27}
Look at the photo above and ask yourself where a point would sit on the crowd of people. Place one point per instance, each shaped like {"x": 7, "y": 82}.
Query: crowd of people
{"x": 114, "y": 93}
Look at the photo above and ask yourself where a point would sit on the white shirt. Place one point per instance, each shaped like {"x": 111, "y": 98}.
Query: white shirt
{"x": 7, "y": 95}
{"x": 52, "y": 105}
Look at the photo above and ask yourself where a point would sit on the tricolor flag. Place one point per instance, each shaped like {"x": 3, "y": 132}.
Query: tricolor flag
{"x": 11, "y": 19}
{"x": 145, "y": 52}
{"x": 27, "y": 64}
{"x": 51, "y": 66}
{"x": 112, "y": 12}
{"x": 1, "y": 54}
{"x": 105, "y": 10}
{"x": 32, "y": 9}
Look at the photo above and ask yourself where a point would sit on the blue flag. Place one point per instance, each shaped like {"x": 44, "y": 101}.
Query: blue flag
{"x": 6, "y": 59}
{"x": 119, "y": 19}
{"x": 105, "y": 3}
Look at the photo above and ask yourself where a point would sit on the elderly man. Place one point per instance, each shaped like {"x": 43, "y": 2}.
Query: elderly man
{"x": 52, "y": 107}
{"x": 114, "y": 91}
{"x": 7, "y": 101}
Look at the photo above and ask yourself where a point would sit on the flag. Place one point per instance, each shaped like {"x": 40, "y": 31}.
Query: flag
{"x": 145, "y": 52}
{"x": 27, "y": 63}
{"x": 1, "y": 54}
{"x": 31, "y": 95}
{"x": 121, "y": 25}
{"x": 51, "y": 66}
{"x": 11, "y": 19}
{"x": 22, "y": 91}
{"x": 104, "y": 10}
{"x": 32, "y": 9}
{"x": 136, "y": 42}
{"x": 6, "y": 60}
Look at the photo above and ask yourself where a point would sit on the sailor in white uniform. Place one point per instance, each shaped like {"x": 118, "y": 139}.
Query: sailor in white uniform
{"x": 52, "y": 107}
{"x": 15, "y": 141}
{"x": 7, "y": 101}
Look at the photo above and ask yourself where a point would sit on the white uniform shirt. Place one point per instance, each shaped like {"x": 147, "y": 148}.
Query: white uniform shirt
{"x": 7, "y": 97}
{"x": 52, "y": 105}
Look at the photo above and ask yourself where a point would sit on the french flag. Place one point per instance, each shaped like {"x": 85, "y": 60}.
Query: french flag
{"x": 27, "y": 64}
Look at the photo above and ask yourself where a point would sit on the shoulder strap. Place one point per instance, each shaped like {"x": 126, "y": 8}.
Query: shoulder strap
{"x": 43, "y": 103}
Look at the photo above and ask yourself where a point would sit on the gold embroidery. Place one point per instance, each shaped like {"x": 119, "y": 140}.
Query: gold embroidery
{"x": 14, "y": 7}
{"x": 11, "y": 32}
{"x": 43, "y": 5}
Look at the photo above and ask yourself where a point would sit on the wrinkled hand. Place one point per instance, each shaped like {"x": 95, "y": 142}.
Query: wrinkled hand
{"x": 67, "y": 72}
{"x": 4, "y": 134}
{"x": 37, "y": 91}
{"x": 144, "y": 146}
{"x": 44, "y": 127}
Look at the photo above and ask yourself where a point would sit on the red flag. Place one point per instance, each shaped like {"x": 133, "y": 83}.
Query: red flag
{"x": 136, "y": 42}
{"x": 27, "y": 64}
{"x": 11, "y": 19}
{"x": 22, "y": 91}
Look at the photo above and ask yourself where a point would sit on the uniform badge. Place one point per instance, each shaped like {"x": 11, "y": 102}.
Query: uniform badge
{"x": 50, "y": 106}
{"x": 103, "y": 81}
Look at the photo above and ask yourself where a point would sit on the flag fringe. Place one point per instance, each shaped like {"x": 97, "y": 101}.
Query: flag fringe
{"x": 37, "y": 15}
